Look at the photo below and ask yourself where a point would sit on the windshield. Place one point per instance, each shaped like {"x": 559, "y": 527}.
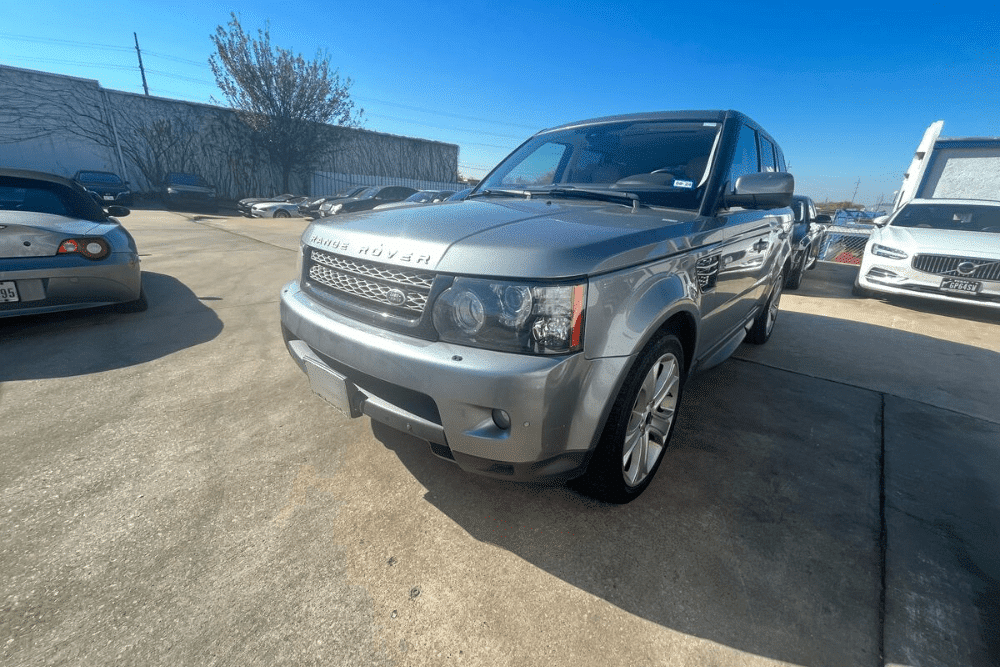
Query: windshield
{"x": 99, "y": 177}
{"x": 367, "y": 193}
{"x": 664, "y": 163}
{"x": 955, "y": 217}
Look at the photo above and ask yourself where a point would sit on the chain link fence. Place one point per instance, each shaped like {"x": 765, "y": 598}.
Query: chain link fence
{"x": 844, "y": 244}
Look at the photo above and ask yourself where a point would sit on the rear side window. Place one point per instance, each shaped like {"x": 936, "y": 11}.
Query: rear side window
{"x": 767, "y": 161}
{"x": 745, "y": 159}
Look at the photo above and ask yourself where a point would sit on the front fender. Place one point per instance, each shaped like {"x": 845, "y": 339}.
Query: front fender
{"x": 626, "y": 308}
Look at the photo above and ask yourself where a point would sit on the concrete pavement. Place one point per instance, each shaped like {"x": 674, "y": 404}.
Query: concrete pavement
{"x": 172, "y": 493}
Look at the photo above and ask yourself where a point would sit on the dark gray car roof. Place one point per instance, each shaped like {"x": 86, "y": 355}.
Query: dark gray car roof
{"x": 705, "y": 116}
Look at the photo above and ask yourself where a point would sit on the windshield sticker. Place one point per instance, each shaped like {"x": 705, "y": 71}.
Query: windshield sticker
{"x": 687, "y": 185}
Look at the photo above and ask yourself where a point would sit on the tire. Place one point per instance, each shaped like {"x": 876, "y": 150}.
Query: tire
{"x": 859, "y": 291}
{"x": 763, "y": 324}
{"x": 794, "y": 278}
{"x": 639, "y": 427}
{"x": 282, "y": 213}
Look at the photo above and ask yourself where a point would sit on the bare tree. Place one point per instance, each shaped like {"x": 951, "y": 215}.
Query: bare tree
{"x": 287, "y": 102}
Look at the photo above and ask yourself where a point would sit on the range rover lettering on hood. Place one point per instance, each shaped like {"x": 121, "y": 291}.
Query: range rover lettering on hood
{"x": 372, "y": 250}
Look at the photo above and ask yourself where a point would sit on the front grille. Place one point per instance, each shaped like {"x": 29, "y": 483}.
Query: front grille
{"x": 947, "y": 265}
{"x": 372, "y": 283}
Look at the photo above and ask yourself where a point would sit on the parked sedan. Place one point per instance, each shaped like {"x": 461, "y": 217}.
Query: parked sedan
{"x": 806, "y": 233}
{"x": 941, "y": 249}
{"x": 244, "y": 204}
{"x": 106, "y": 186}
{"x": 460, "y": 195}
{"x": 188, "y": 191}
{"x": 277, "y": 209}
{"x": 368, "y": 199}
{"x": 419, "y": 198}
{"x": 59, "y": 250}
{"x": 311, "y": 207}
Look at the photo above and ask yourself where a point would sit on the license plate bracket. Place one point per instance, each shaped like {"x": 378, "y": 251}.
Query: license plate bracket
{"x": 8, "y": 292}
{"x": 961, "y": 285}
{"x": 334, "y": 388}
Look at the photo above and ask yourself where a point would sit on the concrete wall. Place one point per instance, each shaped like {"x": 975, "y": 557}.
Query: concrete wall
{"x": 61, "y": 124}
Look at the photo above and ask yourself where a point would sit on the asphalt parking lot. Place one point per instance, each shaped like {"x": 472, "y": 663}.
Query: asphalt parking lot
{"x": 174, "y": 494}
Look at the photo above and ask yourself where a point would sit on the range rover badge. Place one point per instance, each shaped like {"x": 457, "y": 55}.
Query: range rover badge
{"x": 396, "y": 297}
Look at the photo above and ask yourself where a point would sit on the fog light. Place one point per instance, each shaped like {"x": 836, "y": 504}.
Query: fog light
{"x": 501, "y": 419}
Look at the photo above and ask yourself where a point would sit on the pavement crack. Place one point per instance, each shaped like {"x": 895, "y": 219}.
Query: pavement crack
{"x": 883, "y": 538}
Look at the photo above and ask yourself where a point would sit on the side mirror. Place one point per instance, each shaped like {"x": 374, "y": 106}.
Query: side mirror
{"x": 823, "y": 219}
{"x": 762, "y": 191}
{"x": 118, "y": 211}
{"x": 881, "y": 221}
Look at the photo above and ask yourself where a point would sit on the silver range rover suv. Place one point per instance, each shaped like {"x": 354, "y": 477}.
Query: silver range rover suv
{"x": 544, "y": 326}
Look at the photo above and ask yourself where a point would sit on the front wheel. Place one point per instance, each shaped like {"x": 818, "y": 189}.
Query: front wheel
{"x": 639, "y": 427}
{"x": 281, "y": 213}
{"x": 859, "y": 291}
{"x": 794, "y": 278}
{"x": 763, "y": 324}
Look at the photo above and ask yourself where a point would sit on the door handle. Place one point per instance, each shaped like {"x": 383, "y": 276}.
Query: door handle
{"x": 760, "y": 245}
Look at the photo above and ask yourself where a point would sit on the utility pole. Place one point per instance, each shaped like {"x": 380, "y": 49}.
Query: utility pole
{"x": 856, "y": 185}
{"x": 142, "y": 70}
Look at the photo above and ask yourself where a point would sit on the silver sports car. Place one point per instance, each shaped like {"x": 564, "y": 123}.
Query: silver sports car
{"x": 60, "y": 250}
{"x": 941, "y": 249}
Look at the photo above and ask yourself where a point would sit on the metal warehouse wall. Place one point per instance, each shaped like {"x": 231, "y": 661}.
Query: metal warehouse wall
{"x": 61, "y": 124}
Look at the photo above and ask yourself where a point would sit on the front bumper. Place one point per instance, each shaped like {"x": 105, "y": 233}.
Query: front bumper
{"x": 889, "y": 276}
{"x": 51, "y": 284}
{"x": 446, "y": 394}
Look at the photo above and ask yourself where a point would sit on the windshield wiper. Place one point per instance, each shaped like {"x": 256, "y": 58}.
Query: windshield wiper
{"x": 588, "y": 193}
{"x": 502, "y": 193}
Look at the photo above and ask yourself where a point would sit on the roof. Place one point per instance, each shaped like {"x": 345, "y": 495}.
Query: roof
{"x": 709, "y": 116}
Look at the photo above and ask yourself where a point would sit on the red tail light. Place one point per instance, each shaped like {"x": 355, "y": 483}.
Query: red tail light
{"x": 92, "y": 248}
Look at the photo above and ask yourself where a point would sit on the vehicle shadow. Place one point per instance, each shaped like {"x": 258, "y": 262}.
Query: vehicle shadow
{"x": 760, "y": 531}
{"x": 91, "y": 341}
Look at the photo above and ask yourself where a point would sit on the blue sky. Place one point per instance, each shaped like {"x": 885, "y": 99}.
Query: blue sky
{"x": 847, "y": 89}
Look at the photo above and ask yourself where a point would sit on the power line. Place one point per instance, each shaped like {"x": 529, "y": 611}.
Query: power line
{"x": 65, "y": 42}
{"x": 181, "y": 77}
{"x": 444, "y": 113}
{"x": 440, "y": 127}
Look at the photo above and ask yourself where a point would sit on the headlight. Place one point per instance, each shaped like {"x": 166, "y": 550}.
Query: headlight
{"x": 335, "y": 208}
{"x": 512, "y": 317}
{"x": 886, "y": 251}
{"x": 171, "y": 191}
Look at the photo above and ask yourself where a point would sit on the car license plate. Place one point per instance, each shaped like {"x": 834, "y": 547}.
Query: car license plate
{"x": 8, "y": 292}
{"x": 109, "y": 197}
{"x": 334, "y": 388}
{"x": 964, "y": 286}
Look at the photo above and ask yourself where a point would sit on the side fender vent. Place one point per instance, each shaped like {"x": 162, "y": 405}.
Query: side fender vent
{"x": 707, "y": 271}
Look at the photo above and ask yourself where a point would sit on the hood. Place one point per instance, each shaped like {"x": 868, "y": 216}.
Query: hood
{"x": 39, "y": 234}
{"x": 940, "y": 241}
{"x": 510, "y": 238}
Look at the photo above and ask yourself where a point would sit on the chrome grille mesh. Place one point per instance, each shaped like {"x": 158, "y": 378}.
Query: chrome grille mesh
{"x": 947, "y": 265}
{"x": 376, "y": 284}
